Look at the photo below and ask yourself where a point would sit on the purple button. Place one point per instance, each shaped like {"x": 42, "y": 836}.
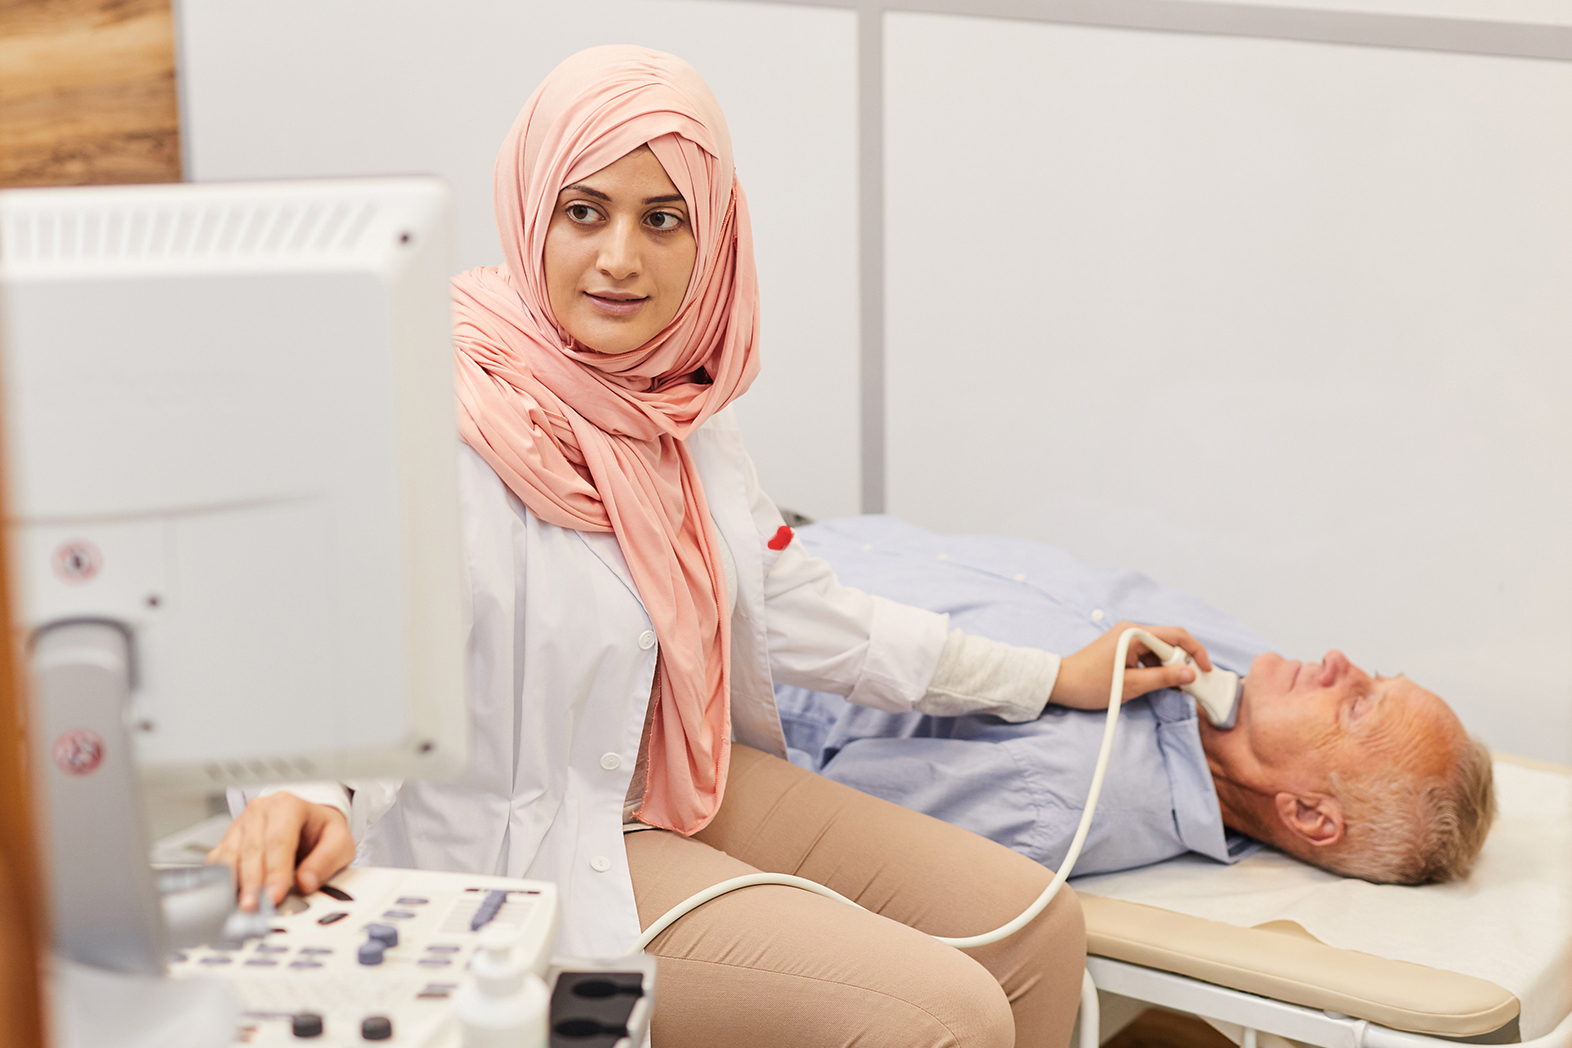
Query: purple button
{"x": 386, "y": 934}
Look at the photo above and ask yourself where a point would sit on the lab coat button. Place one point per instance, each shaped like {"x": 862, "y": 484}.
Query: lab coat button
{"x": 600, "y": 864}
{"x": 1097, "y": 615}
{"x": 647, "y": 640}
{"x": 611, "y": 762}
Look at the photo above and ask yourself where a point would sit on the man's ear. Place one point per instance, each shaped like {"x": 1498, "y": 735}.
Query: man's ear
{"x": 1314, "y": 818}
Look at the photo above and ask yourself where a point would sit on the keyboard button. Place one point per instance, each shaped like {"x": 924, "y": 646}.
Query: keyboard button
{"x": 386, "y": 934}
{"x": 376, "y": 1028}
{"x": 306, "y": 1024}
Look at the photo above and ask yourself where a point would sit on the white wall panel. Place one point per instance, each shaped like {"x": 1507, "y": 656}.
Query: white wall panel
{"x": 1283, "y": 324}
{"x": 296, "y": 88}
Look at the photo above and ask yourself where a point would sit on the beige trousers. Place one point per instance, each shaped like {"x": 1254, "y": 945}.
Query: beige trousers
{"x": 772, "y": 965}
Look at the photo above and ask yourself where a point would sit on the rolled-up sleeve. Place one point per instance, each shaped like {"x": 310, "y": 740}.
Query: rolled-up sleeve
{"x": 826, "y": 636}
{"x": 829, "y": 637}
{"x": 889, "y": 656}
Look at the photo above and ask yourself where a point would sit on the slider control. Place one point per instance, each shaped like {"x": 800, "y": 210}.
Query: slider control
{"x": 487, "y": 910}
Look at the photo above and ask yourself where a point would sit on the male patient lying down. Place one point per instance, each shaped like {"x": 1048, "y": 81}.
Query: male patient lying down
{"x": 1366, "y": 775}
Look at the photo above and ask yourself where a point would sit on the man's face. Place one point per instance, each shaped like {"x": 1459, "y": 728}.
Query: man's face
{"x": 1300, "y": 721}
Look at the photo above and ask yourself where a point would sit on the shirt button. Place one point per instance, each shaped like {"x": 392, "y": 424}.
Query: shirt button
{"x": 611, "y": 762}
{"x": 1097, "y": 615}
{"x": 600, "y": 864}
{"x": 647, "y": 640}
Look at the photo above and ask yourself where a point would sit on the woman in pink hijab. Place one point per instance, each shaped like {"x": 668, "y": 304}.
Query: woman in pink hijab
{"x": 635, "y": 595}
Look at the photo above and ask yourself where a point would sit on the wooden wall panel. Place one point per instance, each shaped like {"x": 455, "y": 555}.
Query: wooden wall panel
{"x": 87, "y": 92}
{"x": 21, "y": 901}
{"x": 22, "y": 928}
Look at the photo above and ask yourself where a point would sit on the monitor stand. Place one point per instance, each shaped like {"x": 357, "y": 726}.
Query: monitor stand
{"x": 104, "y": 905}
{"x": 109, "y": 984}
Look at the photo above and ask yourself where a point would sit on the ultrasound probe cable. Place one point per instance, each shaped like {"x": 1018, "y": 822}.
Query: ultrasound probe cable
{"x": 1168, "y": 653}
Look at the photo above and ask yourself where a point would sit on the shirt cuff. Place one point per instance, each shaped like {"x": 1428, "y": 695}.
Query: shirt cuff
{"x": 977, "y": 675}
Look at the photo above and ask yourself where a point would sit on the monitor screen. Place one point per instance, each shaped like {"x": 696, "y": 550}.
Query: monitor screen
{"x": 229, "y": 428}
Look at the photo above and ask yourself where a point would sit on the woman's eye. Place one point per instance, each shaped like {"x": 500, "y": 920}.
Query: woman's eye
{"x": 664, "y": 220}
{"x": 581, "y": 212}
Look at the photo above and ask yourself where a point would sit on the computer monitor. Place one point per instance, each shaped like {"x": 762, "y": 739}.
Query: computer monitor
{"x": 230, "y": 441}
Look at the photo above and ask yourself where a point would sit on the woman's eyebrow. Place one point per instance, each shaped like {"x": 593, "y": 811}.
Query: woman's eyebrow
{"x": 669, "y": 198}
{"x": 586, "y": 190}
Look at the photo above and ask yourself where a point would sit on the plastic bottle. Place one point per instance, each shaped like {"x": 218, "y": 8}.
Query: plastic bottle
{"x": 501, "y": 1004}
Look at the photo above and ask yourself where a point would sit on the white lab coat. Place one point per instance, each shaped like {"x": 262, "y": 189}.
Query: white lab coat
{"x": 561, "y": 661}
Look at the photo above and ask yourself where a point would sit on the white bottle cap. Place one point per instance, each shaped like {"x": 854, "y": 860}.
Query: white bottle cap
{"x": 498, "y": 970}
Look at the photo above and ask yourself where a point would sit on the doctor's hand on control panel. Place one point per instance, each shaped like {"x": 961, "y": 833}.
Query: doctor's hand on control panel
{"x": 281, "y": 841}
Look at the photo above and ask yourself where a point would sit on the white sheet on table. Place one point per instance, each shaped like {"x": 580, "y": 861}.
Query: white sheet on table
{"x": 1509, "y": 922}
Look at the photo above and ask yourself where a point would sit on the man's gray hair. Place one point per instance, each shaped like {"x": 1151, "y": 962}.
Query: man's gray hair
{"x": 1401, "y": 828}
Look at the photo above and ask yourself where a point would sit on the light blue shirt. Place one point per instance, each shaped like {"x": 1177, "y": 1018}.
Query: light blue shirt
{"x": 1024, "y": 785}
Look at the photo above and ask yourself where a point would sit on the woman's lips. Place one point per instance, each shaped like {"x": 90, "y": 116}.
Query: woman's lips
{"x": 616, "y": 307}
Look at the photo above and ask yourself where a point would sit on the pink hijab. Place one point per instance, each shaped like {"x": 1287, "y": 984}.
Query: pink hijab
{"x": 596, "y": 442}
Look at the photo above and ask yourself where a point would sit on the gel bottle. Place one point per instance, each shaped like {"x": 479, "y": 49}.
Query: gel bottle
{"x": 501, "y": 1005}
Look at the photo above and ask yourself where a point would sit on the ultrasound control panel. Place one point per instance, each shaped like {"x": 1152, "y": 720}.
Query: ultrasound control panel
{"x": 374, "y": 957}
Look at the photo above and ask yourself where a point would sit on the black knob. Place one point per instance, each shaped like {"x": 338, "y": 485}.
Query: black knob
{"x": 306, "y": 1024}
{"x": 376, "y": 1028}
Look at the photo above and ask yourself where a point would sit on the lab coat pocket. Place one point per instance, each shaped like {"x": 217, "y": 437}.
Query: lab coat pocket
{"x": 774, "y": 546}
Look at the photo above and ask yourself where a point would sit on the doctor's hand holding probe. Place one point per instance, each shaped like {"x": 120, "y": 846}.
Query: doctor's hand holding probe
{"x": 634, "y": 595}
